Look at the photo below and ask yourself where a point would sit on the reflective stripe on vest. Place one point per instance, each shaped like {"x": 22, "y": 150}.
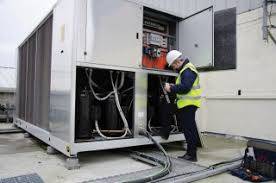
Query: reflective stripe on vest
{"x": 193, "y": 97}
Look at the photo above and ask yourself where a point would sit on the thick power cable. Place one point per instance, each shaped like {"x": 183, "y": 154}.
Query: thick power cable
{"x": 166, "y": 165}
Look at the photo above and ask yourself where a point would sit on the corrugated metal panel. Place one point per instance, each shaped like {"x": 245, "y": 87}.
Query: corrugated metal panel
{"x": 203, "y": 4}
{"x": 7, "y": 79}
{"x": 189, "y": 7}
{"x": 186, "y": 8}
{"x": 181, "y": 8}
{"x": 243, "y": 6}
{"x": 255, "y": 4}
{"x": 219, "y": 5}
{"x": 231, "y": 3}
{"x": 176, "y": 7}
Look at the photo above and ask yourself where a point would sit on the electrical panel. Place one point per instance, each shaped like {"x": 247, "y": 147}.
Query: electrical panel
{"x": 159, "y": 37}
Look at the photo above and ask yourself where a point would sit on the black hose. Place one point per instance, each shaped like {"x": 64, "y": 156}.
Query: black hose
{"x": 167, "y": 164}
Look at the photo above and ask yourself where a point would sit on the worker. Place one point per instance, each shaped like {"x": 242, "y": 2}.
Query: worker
{"x": 188, "y": 99}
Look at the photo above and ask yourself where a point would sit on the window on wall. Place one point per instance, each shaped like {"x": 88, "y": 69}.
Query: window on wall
{"x": 225, "y": 54}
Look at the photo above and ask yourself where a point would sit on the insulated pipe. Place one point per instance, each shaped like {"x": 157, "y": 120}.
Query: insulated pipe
{"x": 106, "y": 137}
{"x": 93, "y": 92}
{"x": 89, "y": 76}
{"x": 115, "y": 92}
{"x": 122, "y": 81}
{"x": 119, "y": 105}
{"x": 265, "y": 30}
{"x": 110, "y": 131}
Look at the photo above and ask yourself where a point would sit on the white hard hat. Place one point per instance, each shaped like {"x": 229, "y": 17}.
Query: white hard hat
{"x": 172, "y": 56}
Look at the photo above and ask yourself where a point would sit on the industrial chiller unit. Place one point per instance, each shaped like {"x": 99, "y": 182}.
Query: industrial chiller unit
{"x": 90, "y": 75}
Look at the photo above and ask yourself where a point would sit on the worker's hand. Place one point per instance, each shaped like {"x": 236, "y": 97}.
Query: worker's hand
{"x": 167, "y": 87}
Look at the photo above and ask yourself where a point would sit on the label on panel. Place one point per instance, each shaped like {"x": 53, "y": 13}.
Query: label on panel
{"x": 114, "y": 33}
{"x": 196, "y": 38}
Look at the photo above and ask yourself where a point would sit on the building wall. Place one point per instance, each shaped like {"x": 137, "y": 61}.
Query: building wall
{"x": 7, "y": 98}
{"x": 252, "y": 113}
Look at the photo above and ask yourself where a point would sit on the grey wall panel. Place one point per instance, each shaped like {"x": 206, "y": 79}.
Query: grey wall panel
{"x": 243, "y": 6}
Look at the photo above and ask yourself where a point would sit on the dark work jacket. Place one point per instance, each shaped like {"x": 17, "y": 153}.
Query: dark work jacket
{"x": 188, "y": 78}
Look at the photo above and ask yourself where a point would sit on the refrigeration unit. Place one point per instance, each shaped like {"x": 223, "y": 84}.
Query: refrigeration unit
{"x": 90, "y": 75}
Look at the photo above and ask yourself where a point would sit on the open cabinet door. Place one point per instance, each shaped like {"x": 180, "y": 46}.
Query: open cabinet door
{"x": 114, "y": 33}
{"x": 196, "y": 38}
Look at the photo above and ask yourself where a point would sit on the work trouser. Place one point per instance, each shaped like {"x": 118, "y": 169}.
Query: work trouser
{"x": 187, "y": 124}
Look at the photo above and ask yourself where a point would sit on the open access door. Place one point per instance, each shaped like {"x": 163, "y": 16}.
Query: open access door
{"x": 196, "y": 38}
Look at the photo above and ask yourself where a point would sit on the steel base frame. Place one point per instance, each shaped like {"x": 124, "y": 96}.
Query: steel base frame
{"x": 72, "y": 149}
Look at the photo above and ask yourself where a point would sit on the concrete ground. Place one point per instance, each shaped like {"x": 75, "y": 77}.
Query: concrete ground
{"x": 19, "y": 156}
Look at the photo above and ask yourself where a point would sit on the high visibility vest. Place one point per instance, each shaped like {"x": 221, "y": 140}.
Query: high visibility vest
{"x": 193, "y": 97}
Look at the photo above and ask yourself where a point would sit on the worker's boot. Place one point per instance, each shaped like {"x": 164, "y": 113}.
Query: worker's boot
{"x": 188, "y": 157}
{"x": 165, "y": 133}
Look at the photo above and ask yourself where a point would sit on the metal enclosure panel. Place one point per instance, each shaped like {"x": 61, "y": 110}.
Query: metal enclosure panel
{"x": 80, "y": 28}
{"x": 196, "y": 38}
{"x": 62, "y": 75}
{"x": 141, "y": 87}
{"x": 114, "y": 33}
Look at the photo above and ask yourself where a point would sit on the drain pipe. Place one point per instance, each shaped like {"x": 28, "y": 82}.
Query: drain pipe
{"x": 265, "y": 14}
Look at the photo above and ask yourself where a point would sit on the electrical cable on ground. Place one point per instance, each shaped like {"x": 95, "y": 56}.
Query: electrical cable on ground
{"x": 157, "y": 177}
{"x": 166, "y": 165}
{"x": 211, "y": 167}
